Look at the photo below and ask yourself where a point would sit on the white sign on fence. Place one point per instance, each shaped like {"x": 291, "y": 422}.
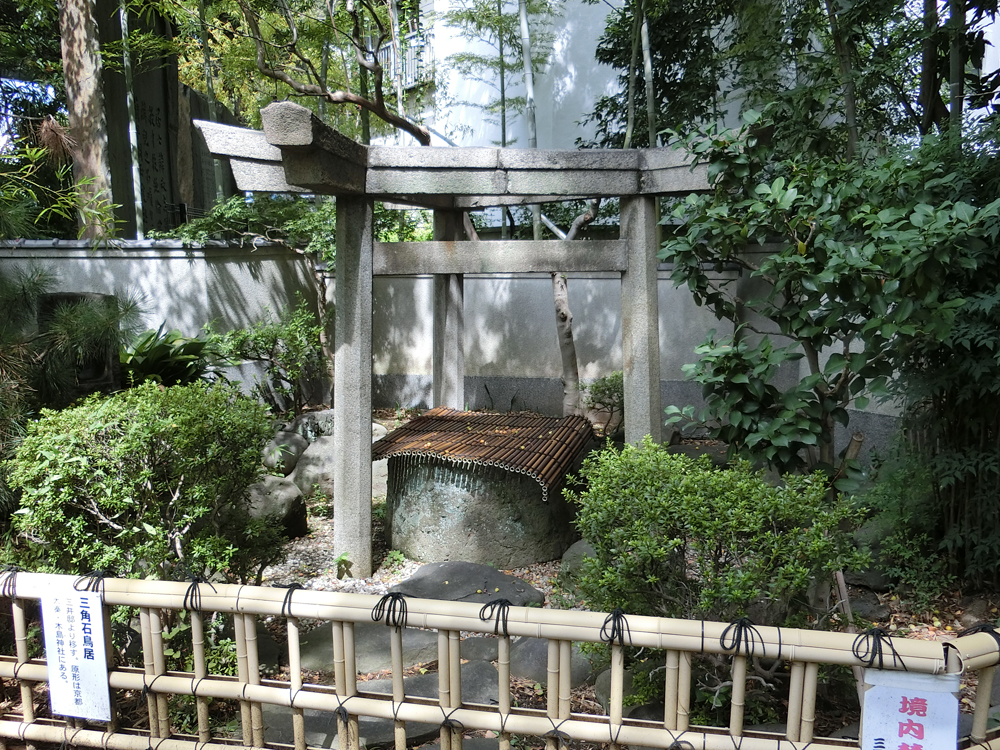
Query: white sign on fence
{"x": 73, "y": 623}
{"x": 905, "y": 711}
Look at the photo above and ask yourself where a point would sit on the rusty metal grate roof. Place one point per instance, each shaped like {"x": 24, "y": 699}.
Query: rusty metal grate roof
{"x": 543, "y": 448}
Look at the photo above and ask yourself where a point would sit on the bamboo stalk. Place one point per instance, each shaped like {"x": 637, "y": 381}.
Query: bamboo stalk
{"x": 398, "y": 694}
{"x": 670, "y": 689}
{"x": 981, "y": 714}
{"x": 444, "y": 684}
{"x": 809, "y": 702}
{"x": 565, "y": 682}
{"x": 150, "y": 670}
{"x": 295, "y": 678}
{"x": 552, "y": 689}
{"x": 739, "y": 694}
{"x": 159, "y": 667}
{"x": 243, "y": 673}
{"x": 684, "y": 692}
{"x": 503, "y": 674}
{"x": 351, "y": 675}
{"x": 455, "y": 668}
{"x": 339, "y": 665}
{"x": 253, "y": 670}
{"x": 200, "y": 671}
{"x": 21, "y": 649}
{"x": 796, "y": 676}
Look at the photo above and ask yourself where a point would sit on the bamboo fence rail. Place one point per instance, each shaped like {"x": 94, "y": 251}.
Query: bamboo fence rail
{"x": 803, "y": 650}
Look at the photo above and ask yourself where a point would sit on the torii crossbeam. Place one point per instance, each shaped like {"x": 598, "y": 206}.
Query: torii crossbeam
{"x": 296, "y": 152}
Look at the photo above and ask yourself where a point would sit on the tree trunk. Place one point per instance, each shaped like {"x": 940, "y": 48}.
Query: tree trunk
{"x": 928, "y": 67}
{"x": 847, "y": 76}
{"x": 647, "y": 74}
{"x": 85, "y": 101}
{"x": 567, "y": 346}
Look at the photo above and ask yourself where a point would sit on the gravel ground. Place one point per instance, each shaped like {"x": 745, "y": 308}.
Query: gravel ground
{"x": 311, "y": 562}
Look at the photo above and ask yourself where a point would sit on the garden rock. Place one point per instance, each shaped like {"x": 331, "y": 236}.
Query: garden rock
{"x": 312, "y": 425}
{"x": 480, "y": 648}
{"x": 279, "y": 498}
{"x": 865, "y": 604}
{"x": 869, "y": 537}
{"x": 371, "y": 647}
{"x": 468, "y": 582}
{"x": 283, "y": 450}
{"x": 974, "y": 612}
{"x": 314, "y": 469}
{"x": 602, "y": 688}
{"x": 572, "y": 559}
{"x": 529, "y": 660}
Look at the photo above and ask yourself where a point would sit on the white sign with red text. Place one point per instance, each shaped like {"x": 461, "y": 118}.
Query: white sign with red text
{"x": 907, "y": 711}
{"x": 73, "y": 623}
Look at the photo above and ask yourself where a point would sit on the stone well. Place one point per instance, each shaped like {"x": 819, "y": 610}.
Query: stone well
{"x": 481, "y": 488}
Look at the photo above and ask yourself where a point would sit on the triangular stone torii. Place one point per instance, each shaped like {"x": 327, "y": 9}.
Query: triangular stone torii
{"x": 296, "y": 152}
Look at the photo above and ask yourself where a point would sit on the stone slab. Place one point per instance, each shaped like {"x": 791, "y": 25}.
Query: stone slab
{"x": 563, "y": 160}
{"x": 499, "y": 256}
{"x": 468, "y": 582}
{"x": 227, "y": 140}
{"x": 396, "y": 157}
{"x": 261, "y": 177}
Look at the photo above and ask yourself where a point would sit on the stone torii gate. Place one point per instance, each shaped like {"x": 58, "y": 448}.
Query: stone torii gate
{"x": 296, "y": 152}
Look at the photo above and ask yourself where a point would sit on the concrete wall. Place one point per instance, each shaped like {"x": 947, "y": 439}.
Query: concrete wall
{"x": 185, "y": 288}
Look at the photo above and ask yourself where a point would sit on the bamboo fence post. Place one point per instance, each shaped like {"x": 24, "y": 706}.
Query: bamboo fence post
{"x": 109, "y": 658}
{"x": 149, "y": 670}
{"x": 455, "y": 668}
{"x": 243, "y": 674}
{"x": 809, "y": 702}
{"x": 565, "y": 682}
{"x": 503, "y": 670}
{"x": 796, "y": 676}
{"x": 552, "y": 689}
{"x": 444, "y": 685}
{"x": 617, "y": 692}
{"x": 981, "y": 714}
{"x": 739, "y": 695}
{"x": 21, "y": 648}
{"x": 671, "y": 668}
{"x": 253, "y": 670}
{"x": 398, "y": 694}
{"x": 159, "y": 668}
{"x": 295, "y": 678}
{"x": 200, "y": 672}
{"x": 684, "y": 692}
{"x": 351, "y": 676}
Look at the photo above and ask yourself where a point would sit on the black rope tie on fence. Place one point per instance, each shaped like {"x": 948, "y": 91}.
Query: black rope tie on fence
{"x": 341, "y": 710}
{"x": 742, "y": 633}
{"x": 500, "y": 607}
{"x": 147, "y": 689}
{"x": 192, "y": 597}
{"x": 556, "y": 733}
{"x": 395, "y": 710}
{"x": 615, "y": 627}
{"x": 195, "y": 682}
{"x": 982, "y": 627}
{"x": 392, "y": 607}
{"x": 286, "y": 604}
{"x": 92, "y": 581}
{"x": 869, "y": 647}
{"x": 450, "y": 723}
{"x": 613, "y": 733}
{"x": 8, "y": 588}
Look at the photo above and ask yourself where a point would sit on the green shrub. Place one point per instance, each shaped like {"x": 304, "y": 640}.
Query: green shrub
{"x": 674, "y": 537}
{"x": 143, "y": 482}
{"x": 170, "y": 358}
{"x": 607, "y": 396}
{"x": 291, "y": 352}
{"x": 905, "y": 512}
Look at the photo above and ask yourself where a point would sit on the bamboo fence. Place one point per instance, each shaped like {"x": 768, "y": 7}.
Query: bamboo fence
{"x": 803, "y": 650}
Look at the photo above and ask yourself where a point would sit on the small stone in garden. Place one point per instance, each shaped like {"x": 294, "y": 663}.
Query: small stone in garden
{"x": 529, "y": 660}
